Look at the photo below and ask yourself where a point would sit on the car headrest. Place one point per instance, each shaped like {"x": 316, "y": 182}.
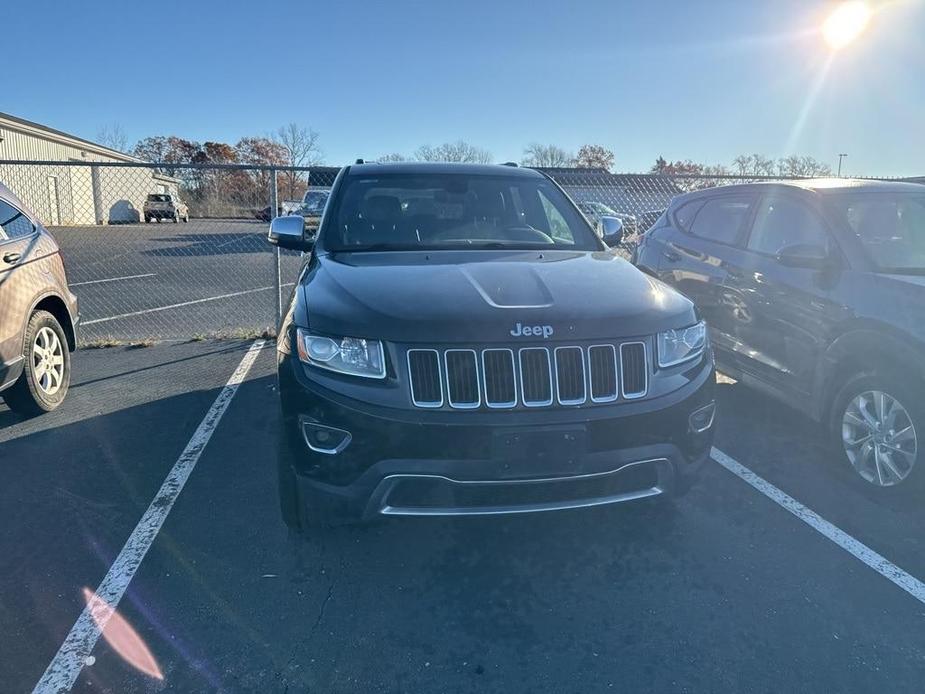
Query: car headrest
{"x": 381, "y": 208}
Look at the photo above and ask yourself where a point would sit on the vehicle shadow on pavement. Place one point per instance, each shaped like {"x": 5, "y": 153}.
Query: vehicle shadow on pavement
{"x": 72, "y": 496}
{"x": 232, "y": 347}
{"x": 212, "y": 244}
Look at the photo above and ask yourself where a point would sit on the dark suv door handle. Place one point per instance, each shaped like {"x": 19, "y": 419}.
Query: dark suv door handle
{"x": 11, "y": 258}
{"x": 672, "y": 256}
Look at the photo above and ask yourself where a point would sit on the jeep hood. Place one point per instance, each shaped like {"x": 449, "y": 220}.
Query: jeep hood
{"x": 478, "y": 297}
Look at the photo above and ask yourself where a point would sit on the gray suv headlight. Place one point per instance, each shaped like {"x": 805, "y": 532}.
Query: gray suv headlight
{"x": 684, "y": 344}
{"x": 356, "y": 356}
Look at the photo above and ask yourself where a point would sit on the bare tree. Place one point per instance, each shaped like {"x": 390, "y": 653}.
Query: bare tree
{"x": 794, "y": 165}
{"x": 113, "y": 136}
{"x": 594, "y": 157}
{"x": 536, "y": 154}
{"x": 802, "y": 166}
{"x": 301, "y": 145}
{"x": 754, "y": 165}
{"x": 459, "y": 151}
{"x": 394, "y": 156}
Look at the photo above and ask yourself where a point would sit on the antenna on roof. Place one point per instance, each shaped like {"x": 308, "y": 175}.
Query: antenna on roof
{"x": 510, "y": 163}
{"x": 359, "y": 161}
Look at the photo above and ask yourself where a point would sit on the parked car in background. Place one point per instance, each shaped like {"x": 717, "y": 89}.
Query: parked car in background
{"x": 38, "y": 313}
{"x": 165, "y": 206}
{"x": 595, "y": 210}
{"x": 814, "y": 292}
{"x": 647, "y": 219}
{"x": 264, "y": 214}
{"x": 440, "y": 355}
{"x": 313, "y": 206}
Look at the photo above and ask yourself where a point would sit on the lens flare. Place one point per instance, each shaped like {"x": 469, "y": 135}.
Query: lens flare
{"x": 121, "y": 636}
{"x": 845, "y": 24}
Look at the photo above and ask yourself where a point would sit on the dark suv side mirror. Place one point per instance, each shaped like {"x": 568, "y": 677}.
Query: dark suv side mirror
{"x": 611, "y": 231}
{"x": 806, "y": 256}
{"x": 289, "y": 232}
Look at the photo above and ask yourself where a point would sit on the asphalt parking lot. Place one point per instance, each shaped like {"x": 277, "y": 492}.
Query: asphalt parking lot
{"x": 725, "y": 590}
{"x": 173, "y": 281}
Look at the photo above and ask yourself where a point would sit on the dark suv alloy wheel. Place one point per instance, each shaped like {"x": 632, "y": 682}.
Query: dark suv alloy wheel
{"x": 876, "y": 421}
{"x": 47, "y": 372}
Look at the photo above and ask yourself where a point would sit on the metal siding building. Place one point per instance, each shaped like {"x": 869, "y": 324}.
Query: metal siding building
{"x": 73, "y": 194}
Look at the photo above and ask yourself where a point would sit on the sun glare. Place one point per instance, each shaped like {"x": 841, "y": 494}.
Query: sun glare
{"x": 846, "y": 23}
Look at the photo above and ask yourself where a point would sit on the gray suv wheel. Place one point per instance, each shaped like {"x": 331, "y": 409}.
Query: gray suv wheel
{"x": 876, "y": 421}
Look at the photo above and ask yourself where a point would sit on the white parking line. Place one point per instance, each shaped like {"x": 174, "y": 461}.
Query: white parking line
{"x": 112, "y": 279}
{"x": 64, "y": 668}
{"x": 858, "y": 549}
{"x": 181, "y": 304}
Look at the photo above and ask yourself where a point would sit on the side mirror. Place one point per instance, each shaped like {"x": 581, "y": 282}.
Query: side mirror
{"x": 805, "y": 255}
{"x": 611, "y": 231}
{"x": 289, "y": 232}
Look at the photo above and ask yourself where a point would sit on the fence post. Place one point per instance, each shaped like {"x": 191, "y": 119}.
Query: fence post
{"x": 274, "y": 206}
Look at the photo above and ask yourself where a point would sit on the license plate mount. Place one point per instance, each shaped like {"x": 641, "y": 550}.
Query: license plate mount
{"x": 536, "y": 450}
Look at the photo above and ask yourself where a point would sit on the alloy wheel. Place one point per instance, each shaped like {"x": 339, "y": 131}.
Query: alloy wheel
{"x": 879, "y": 438}
{"x": 48, "y": 361}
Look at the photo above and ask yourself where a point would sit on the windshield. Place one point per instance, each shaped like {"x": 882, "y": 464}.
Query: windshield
{"x": 314, "y": 201}
{"x": 889, "y": 226}
{"x": 597, "y": 208}
{"x": 158, "y": 197}
{"x": 411, "y": 211}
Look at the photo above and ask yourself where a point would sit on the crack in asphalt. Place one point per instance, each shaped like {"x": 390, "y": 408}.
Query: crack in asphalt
{"x": 324, "y": 605}
{"x": 301, "y": 644}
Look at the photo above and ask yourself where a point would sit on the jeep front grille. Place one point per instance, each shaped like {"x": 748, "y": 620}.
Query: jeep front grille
{"x": 535, "y": 377}
{"x": 503, "y": 378}
{"x": 635, "y": 377}
{"x": 424, "y": 371}
{"x": 499, "y": 377}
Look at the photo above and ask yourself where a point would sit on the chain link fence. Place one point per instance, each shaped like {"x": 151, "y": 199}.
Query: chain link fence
{"x": 167, "y": 252}
{"x": 178, "y": 252}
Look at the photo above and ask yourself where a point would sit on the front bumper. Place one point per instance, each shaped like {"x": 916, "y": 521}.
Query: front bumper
{"x": 426, "y": 463}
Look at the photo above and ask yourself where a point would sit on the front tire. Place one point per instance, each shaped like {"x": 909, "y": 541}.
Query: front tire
{"x": 876, "y": 422}
{"x": 287, "y": 486}
{"x": 47, "y": 374}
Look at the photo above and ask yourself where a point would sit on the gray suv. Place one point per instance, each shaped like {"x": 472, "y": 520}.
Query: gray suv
{"x": 38, "y": 313}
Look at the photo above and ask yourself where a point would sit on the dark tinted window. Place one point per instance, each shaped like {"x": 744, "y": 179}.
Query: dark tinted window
{"x": 158, "y": 197}
{"x": 13, "y": 223}
{"x": 889, "y": 226}
{"x": 721, "y": 219}
{"x": 782, "y": 222}
{"x": 685, "y": 214}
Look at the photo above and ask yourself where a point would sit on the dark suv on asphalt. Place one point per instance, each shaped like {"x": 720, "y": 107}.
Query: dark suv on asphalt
{"x": 814, "y": 292}
{"x": 460, "y": 341}
{"x": 38, "y": 313}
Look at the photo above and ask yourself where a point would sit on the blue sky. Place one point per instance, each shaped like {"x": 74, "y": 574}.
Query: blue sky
{"x": 704, "y": 81}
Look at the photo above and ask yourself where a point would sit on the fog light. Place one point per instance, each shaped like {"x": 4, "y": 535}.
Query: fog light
{"x": 701, "y": 419}
{"x": 323, "y": 439}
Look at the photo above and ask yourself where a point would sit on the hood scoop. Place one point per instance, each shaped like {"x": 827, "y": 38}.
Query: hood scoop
{"x": 501, "y": 287}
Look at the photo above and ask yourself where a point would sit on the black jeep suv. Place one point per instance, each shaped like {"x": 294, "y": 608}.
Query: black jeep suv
{"x": 814, "y": 292}
{"x": 460, "y": 341}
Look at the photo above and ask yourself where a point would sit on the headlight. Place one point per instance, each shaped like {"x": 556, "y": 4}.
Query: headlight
{"x": 677, "y": 346}
{"x": 349, "y": 355}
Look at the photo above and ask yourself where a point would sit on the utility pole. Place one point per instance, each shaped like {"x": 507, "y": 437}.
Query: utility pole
{"x": 840, "y": 157}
